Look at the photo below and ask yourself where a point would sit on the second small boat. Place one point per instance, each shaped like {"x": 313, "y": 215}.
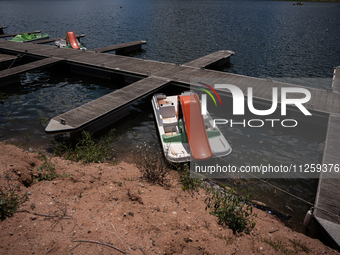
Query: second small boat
{"x": 29, "y": 37}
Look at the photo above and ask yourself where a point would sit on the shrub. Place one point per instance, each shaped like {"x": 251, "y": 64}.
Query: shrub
{"x": 9, "y": 202}
{"x": 86, "y": 149}
{"x": 232, "y": 210}
{"x": 187, "y": 181}
{"x": 47, "y": 170}
{"x": 150, "y": 163}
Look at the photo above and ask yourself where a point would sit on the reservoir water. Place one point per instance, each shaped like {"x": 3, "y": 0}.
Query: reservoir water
{"x": 276, "y": 39}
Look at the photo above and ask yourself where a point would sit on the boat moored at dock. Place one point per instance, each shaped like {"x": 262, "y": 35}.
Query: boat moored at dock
{"x": 184, "y": 132}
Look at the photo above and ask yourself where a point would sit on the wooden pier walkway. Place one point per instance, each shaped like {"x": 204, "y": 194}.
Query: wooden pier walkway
{"x": 56, "y": 39}
{"x": 121, "y": 48}
{"x": 6, "y": 60}
{"x": 8, "y": 74}
{"x": 217, "y": 58}
{"x": 12, "y": 35}
{"x": 321, "y": 100}
{"x": 90, "y": 116}
{"x": 327, "y": 201}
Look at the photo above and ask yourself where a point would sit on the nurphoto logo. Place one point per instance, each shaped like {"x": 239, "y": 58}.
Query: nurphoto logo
{"x": 239, "y": 105}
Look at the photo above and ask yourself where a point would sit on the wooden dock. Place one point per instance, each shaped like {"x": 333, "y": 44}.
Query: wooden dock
{"x": 6, "y": 60}
{"x": 7, "y": 76}
{"x": 12, "y": 35}
{"x": 321, "y": 100}
{"x": 121, "y": 48}
{"x": 218, "y": 58}
{"x": 154, "y": 75}
{"x": 327, "y": 201}
{"x": 56, "y": 39}
{"x": 97, "y": 114}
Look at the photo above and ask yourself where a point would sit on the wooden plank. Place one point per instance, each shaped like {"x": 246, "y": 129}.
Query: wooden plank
{"x": 5, "y": 57}
{"x": 327, "y": 207}
{"x": 95, "y": 110}
{"x": 119, "y": 46}
{"x": 56, "y": 39}
{"x": 331, "y": 228}
{"x": 211, "y": 59}
{"x": 12, "y": 35}
{"x": 329, "y": 102}
{"x": 27, "y": 67}
{"x": 320, "y": 100}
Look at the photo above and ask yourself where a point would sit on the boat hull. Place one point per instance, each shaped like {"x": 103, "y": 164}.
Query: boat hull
{"x": 173, "y": 134}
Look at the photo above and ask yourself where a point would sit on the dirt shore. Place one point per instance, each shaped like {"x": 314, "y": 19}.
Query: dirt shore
{"x": 111, "y": 204}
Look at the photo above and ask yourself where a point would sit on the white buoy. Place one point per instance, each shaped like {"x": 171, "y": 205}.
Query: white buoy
{"x": 308, "y": 218}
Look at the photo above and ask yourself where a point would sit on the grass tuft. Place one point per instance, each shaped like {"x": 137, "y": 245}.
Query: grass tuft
{"x": 9, "y": 203}
{"x": 149, "y": 161}
{"x": 86, "y": 149}
{"x": 232, "y": 210}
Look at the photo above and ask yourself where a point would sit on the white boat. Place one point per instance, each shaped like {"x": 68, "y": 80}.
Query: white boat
{"x": 174, "y": 115}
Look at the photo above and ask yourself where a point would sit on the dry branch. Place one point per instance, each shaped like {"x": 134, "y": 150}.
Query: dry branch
{"x": 111, "y": 246}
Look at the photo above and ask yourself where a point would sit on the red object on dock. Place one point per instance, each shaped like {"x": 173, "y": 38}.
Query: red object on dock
{"x": 73, "y": 40}
{"x": 195, "y": 127}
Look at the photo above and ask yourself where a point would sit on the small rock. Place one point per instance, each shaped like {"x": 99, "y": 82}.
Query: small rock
{"x": 130, "y": 213}
{"x": 10, "y": 233}
{"x": 187, "y": 240}
{"x": 29, "y": 193}
{"x": 89, "y": 231}
{"x": 124, "y": 214}
{"x": 33, "y": 217}
{"x": 133, "y": 247}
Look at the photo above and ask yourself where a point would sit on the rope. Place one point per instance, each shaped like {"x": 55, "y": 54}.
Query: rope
{"x": 299, "y": 198}
{"x": 16, "y": 59}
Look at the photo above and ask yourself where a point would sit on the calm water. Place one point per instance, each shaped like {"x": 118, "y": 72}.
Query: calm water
{"x": 297, "y": 44}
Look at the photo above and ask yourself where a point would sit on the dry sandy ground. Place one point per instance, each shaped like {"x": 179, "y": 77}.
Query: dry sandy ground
{"x": 113, "y": 205}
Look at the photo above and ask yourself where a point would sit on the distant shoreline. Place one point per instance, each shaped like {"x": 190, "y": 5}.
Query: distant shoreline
{"x": 319, "y": 1}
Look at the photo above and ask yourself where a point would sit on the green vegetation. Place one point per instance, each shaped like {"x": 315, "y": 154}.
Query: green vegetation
{"x": 42, "y": 120}
{"x": 27, "y": 138}
{"x": 150, "y": 163}
{"x": 86, "y": 149}
{"x": 10, "y": 117}
{"x": 232, "y": 210}
{"x": 277, "y": 246}
{"x": 9, "y": 202}
{"x": 298, "y": 246}
{"x": 47, "y": 170}
{"x": 187, "y": 182}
